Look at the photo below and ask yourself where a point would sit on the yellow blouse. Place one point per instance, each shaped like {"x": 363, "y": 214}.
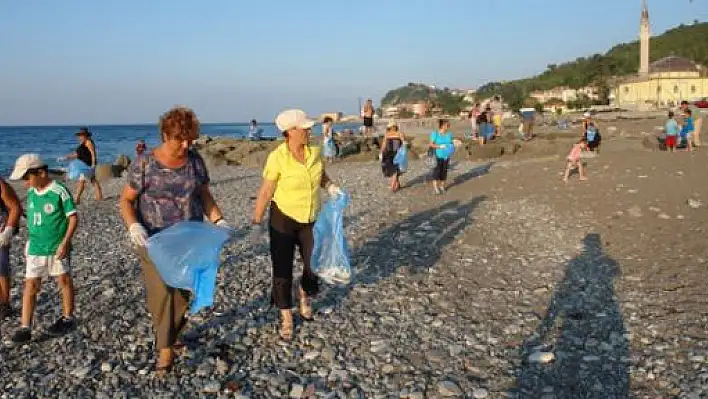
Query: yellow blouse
{"x": 297, "y": 185}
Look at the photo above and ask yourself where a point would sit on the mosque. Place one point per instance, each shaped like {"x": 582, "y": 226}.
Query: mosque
{"x": 663, "y": 83}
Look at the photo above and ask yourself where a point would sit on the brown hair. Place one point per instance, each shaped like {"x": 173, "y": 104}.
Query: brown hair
{"x": 179, "y": 122}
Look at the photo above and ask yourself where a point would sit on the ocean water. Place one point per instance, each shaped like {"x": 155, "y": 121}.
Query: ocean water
{"x": 52, "y": 142}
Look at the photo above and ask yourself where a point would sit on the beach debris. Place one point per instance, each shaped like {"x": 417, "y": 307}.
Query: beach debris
{"x": 694, "y": 203}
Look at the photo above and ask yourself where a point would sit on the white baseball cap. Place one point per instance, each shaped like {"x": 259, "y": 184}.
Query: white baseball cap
{"x": 25, "y": 163}
{"x": 291, "y": 118}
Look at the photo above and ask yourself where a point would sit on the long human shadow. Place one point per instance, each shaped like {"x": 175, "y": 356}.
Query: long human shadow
{"x": 584, "y": 328}
{"x": 475, "y": 172}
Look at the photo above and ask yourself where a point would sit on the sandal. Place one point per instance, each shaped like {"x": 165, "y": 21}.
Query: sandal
{"x": 306, "y": 310}
{"x": 163, "y": 369}
{"x": 286, "y": 329}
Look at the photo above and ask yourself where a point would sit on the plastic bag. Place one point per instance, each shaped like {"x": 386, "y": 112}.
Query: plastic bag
{"x": 330, "y": 255}
{"x": 186, "y": 256}
{"x": 401, "y": 158}
{"x": 329, "y": 150}
{"x": 449, "y": 150}
{"x": 77, "y": 168}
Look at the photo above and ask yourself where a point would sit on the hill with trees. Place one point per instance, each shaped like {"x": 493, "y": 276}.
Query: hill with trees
{"x": 444, "y": 99}
{"x": 600, "y": 69}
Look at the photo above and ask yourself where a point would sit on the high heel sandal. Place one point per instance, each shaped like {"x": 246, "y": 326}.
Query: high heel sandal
{"x": 306, "y": 310}
{"x": 161, "y": 370}
{"x": 286, "y": 329}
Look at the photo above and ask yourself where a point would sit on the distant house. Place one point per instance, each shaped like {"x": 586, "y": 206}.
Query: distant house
{"x": 564, "y": 93}
{"x": 391, "y": 112}
{"x": 554, "y": 105}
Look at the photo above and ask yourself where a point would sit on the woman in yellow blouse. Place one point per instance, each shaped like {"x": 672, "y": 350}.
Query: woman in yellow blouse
{"x": 293, "y": 176}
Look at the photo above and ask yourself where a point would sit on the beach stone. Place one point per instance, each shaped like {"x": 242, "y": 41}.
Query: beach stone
{"x": 651, "y": 143}
{"x": 296, "y": 391}
{"x": 449, "y": 389}
{"x": 104, "y": 172}
{"x": 212, "y": 387}
{"x": 81, "y": 372}
{"x": 480, "y": 393}
{"x": 635, "y": 211}
{"x": 542, "y": 357}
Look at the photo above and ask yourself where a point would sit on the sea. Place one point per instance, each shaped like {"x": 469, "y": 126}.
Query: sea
{"x": 52, "y": 142}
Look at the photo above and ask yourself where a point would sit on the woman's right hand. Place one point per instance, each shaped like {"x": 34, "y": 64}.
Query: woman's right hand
{"x": 257, "y": 232}
{"x": 138, "y": 234}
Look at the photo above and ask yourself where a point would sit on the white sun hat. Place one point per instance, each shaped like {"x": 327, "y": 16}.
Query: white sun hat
{"x": 291, "y": 118}
{"x": 24, "y": 164}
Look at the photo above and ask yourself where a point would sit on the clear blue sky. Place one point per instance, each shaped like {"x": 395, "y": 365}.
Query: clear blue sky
{"x": 101, "y": 61}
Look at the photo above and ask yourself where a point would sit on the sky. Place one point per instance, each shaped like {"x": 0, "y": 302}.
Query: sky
{"x": 103, "y": 62}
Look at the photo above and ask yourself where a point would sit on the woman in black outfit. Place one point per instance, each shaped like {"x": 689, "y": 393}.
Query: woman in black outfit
{"x": 86, "y": 153}
{"x": 392, "y": 141}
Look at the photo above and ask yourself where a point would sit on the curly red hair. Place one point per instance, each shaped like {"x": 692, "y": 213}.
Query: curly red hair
{"x": 179, "y": 122}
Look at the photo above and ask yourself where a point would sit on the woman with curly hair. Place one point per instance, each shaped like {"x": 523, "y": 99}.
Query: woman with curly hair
{"x": 166, "y": 186}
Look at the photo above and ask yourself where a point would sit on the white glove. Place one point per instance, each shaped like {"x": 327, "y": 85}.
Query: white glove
{"x": 138, "y": 234}
{"x": 224, "y": 224}
{"x": 334, "y": 190}
{"x": 61, "y": 159}
{"x": 6, "y": 236}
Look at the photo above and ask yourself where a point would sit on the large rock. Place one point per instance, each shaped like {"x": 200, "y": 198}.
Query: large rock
{"x": 123, "y": 161}
{"x": 487, "y": 151}
{"x": 120, "y": 165}
{"x": 104, "y": 172}
{"x": 651, "y": 143}
{"x": 217, "y": 148}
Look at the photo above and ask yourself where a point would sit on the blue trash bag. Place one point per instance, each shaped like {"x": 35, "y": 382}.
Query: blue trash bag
{"x": 401, "y": 158}
{"x": 186, "y": 256}
{"x": 449, "y": 150}
{"x": 330, "y": 255}
{"x": 77, "y": 168}
{"x": 329, "y": 149}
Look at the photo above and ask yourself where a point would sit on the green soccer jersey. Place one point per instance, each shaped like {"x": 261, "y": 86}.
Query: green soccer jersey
{"x": 48, "y": 214}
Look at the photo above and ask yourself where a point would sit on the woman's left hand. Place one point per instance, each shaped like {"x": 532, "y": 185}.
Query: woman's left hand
{"x": 334, "y": 190}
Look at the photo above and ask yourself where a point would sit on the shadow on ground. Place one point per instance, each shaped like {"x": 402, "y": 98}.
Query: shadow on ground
{"x": 415, "y": 243}
{"x": 584, "y": 328}
{"x": 475, "y": 172}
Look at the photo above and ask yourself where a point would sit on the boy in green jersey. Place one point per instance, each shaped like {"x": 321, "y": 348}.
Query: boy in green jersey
{"x": 51, "y": 222}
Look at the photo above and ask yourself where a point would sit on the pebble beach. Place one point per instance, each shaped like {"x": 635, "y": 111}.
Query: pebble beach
{"x": 511, "y": 285}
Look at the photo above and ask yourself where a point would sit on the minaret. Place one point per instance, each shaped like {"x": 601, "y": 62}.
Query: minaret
{"x": 644, "y": 33}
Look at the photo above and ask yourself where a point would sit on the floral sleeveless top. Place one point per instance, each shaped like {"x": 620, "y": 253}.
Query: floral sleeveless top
{"x": 168, "y": 196}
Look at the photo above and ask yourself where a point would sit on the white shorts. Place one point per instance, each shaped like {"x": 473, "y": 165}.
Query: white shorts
{"x": 42, "y": 266}
{"x": 86, "y": 177}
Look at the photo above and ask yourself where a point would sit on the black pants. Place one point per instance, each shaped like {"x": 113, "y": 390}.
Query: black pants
{"x": 440, "y": 170}
{"x": 285, "y": 235}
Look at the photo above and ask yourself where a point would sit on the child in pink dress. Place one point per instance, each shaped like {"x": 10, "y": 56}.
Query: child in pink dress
{"x": 574, "y": 160}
